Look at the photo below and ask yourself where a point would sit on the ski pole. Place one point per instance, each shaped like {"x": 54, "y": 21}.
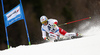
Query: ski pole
{"x": 75, "y": 21}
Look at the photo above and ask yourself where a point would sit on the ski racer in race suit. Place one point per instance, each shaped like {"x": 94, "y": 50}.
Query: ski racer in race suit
{"x": 50, "y": 26}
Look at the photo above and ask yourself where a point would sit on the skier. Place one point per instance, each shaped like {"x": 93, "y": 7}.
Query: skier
{"x": 50, "y": 26}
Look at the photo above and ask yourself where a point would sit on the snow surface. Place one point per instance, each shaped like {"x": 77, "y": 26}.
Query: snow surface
{"x": 88, "y": 45}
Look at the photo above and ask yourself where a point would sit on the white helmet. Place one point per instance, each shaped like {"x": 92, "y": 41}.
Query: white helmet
{"x": 43, "y": 19}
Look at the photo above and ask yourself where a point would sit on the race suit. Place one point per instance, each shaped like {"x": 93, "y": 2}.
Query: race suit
{"x": 53, "y": 30}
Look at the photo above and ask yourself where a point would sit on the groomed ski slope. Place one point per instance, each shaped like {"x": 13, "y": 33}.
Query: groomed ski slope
{"x": 88, "y": 45}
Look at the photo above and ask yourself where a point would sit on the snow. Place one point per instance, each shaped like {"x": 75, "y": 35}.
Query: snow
{"x": 88, "y": 45}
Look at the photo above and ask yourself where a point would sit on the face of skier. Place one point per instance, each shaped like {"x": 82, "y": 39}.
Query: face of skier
{"x": 45, "y": 22}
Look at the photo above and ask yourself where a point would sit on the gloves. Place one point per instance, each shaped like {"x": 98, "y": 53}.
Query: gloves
{"x": 46, "y": 38}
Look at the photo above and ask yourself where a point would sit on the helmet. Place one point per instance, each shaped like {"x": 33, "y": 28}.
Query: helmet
{"x": 43, "y": 19}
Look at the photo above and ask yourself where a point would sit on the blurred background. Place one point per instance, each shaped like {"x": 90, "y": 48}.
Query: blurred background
{"x": 62, "y": 10}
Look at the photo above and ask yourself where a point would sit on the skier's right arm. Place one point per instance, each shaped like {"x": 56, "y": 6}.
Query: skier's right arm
{"x": 44, "y": 34}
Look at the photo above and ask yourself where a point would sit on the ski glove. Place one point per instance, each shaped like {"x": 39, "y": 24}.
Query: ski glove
{"x": 46, "y": 38}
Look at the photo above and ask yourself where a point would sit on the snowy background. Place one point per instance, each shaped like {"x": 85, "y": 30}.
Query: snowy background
{"x": 62, "y": 10}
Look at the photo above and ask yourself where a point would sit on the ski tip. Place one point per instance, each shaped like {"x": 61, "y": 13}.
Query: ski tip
{"x": 89, "y": 17}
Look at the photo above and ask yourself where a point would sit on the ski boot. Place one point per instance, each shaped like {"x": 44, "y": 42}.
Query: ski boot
{"x": 78, "y": 35}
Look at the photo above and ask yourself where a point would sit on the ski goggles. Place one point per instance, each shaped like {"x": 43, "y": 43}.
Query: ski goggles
{"x": 44, "y": 22}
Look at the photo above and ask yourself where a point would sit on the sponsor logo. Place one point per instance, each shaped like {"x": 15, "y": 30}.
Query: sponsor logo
{"x": 12, "y": 14}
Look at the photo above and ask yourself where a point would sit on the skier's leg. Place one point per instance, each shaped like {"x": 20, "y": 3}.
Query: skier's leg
{"x": 61, "y": 31}
{"x": 70, "y": 34}
{"x": 54, "y": 36}
{"x": 66, "y": 34}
